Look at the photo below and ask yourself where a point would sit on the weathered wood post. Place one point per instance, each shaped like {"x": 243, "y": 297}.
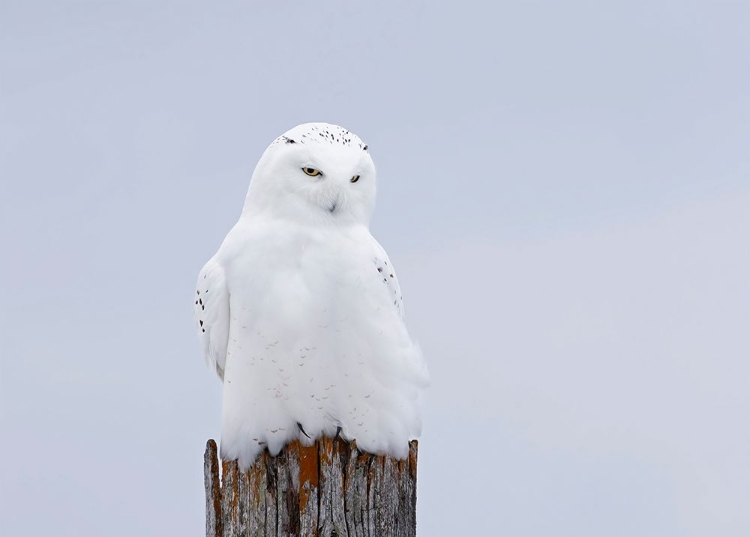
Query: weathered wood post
{"x": 329, "y": 489}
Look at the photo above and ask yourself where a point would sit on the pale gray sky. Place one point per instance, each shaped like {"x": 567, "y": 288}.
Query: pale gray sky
{"x": 564, "y": 189}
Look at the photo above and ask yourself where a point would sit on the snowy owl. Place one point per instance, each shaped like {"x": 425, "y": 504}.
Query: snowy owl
{"x": 300, "y": 311}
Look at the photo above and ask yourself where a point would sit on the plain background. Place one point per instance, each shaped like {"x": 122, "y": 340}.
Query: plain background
{"x": 564, "y": 190}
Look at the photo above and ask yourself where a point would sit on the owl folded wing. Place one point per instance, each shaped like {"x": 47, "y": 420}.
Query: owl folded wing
{"x": 387, "y": 274}
{"x": 211, "y": 312}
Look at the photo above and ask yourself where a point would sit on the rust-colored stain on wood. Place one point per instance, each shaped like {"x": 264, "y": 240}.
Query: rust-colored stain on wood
{"x": 413, "y": 449}
{"x": 231, "y": 477}
{"x": 363, "y": 458}
{"x": 256, "y": 476}
{"x": 309, "y": 473}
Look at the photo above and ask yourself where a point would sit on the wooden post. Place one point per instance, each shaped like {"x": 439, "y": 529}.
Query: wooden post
{"x": 329, "y": 489}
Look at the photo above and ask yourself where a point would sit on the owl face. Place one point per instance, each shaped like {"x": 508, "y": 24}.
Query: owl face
{"x": 315, "y": 173}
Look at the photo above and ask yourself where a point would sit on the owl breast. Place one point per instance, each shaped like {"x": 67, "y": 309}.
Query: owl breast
{"x": 315, "y": 339}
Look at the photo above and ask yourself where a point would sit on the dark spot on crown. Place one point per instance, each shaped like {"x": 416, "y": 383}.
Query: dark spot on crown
{"x": 391, "y": 275}
{"x": 365, "y": 148}
{"x": 379, "y": 270}
{"x": 289, "y": 140}
{"x": 204, "y": 330}
{"x": 201, "y": 323}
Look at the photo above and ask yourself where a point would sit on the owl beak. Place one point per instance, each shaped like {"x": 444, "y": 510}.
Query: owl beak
{"x": 334, "y": 204}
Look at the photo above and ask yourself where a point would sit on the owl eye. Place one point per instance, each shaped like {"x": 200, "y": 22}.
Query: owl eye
{"x": 312, "y": 172}
{"x": 354, "y": 179}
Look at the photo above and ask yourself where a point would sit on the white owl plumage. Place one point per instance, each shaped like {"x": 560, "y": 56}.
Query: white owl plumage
{"x": 300, "y": 310}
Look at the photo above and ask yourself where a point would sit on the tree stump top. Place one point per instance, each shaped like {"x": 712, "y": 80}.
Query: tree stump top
{"x": 324, "y": 490}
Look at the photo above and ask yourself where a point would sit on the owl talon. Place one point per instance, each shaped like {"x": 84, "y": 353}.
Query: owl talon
{"x": 302, "y": 430}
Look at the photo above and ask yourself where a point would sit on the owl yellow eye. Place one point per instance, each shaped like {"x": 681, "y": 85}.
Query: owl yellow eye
{"x": 312, "y": 172}
{"x": 354, "y": 179}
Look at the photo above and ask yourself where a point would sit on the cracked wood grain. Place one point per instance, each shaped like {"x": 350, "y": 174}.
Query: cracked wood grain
{"x": 324, "y": 490}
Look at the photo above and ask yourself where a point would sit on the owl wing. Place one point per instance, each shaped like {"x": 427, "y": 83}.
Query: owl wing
{"x": 211, "y": 312}
{"x": 387, "y": 275}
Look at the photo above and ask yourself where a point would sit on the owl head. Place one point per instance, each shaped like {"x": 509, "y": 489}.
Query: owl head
{"x": 315, "y": 173}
